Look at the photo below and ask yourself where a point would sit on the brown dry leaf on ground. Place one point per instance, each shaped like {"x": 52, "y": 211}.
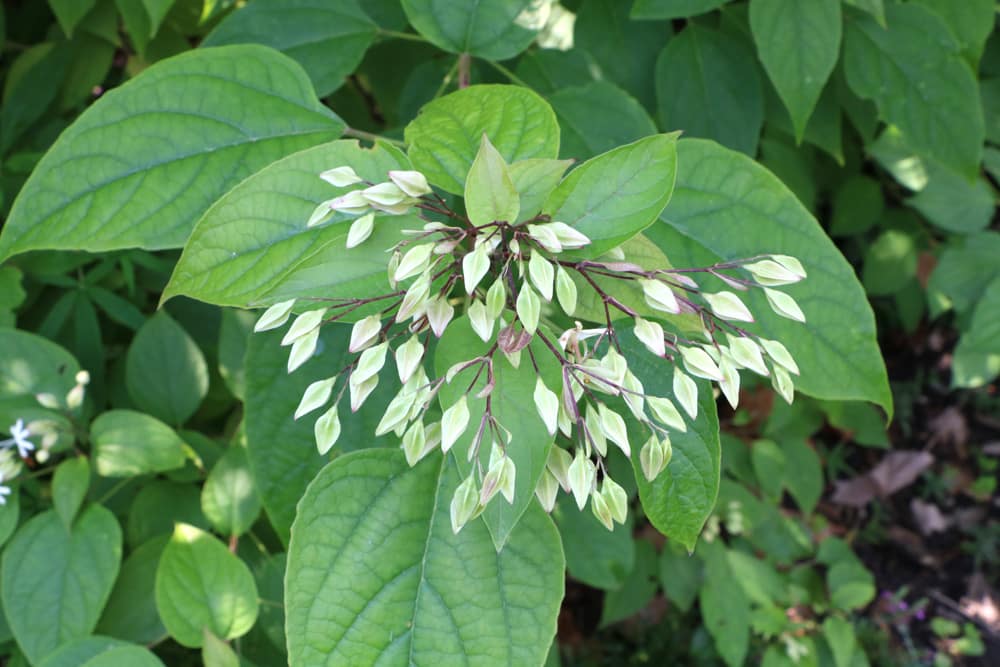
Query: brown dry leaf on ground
{"x": 949, "y": 428}
{"x": 896, "y": 471}
{"x": 928, "y": 517}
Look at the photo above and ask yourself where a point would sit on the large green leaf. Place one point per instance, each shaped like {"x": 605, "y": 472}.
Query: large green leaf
{"x": 725, "y": 607}
{"x": 965, "y": 267}
{"x": 228, "y": 498}
{"x": 970, "y": 21}
{"x": 56, "y": 581}
{"x": 977, "y": 356}
{"x": 78, "y": 651}
{"x": 798, "y": 43}
{"x": 673, "y": 9}
{"x": 128, "y": 443}
{"x": 158, "y": 506}
{"x": 69, "y": 487}
{"x": 708, "y": 85}
{"x": 281, "y": 451}
{"x": 70, "y": 12}
{"x": 165, "y": 372}
{"x": 444, "y": 138}
{"x": 727, "y": 207}
{"x": 485, "y": 28}
{"x": 513, "y": 407}
{"x": 131, "y": 610}
{"x": 200, "y": 584}
{"x": 598, "y": 117}
{"x": 141, "y": 165}
{"x": 595, "y": 555}
{"x": 328, "y": 39}
{"x": 376, "y": 575}
{"x": 133, "y": 656}
{"x": 919, "y": 82}
{"x": 32, "y": 365}
{"x": 253, "y": 248}
{"x": 616, "y": 195}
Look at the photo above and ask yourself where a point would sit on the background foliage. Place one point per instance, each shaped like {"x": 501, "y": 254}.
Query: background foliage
{"x": 152, "y": 523}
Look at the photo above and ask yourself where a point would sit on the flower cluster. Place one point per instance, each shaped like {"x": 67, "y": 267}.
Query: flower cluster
{"x": 19, "y": 434}
{"x": 512, "y": 279}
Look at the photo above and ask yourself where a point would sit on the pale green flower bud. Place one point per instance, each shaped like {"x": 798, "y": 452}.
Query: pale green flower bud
{"x": 547, "y": 404}
{"x": 371, "y": 362}
{"x": 790, "y": 263}
{"x": 302, "y": 350}
{"x": 546, "y": 491}
{"x": 415, "y": 443}
{"x": 439, "y": 314}
{"x": 364, "y": 333}
{"x": 415, "y": 300}
{"x": 315, "y": 396}
{"x": 616, "y": 365}
{"x": 784, "y": 305}
{"x": 480, "y": 320}
{"x": 384, "y": 194}
{"x": 508, "y": 476}
{"x": 397, "y": 412}
{"x": 361, "y": 390}
{"x": 327, "y": 430}
{"x": 686, "y": 392}
{"x": 569, "y": 237}
{"x": 413, "y": 183}
{"x": 496, "y": 299}
{"x": 565, "y": 291}
{"x": 769, "y": 273}
{"x": 353, "y": 203}
{"x": 650, "y": 334}
{"x": 595, "y": 429}
{"x": 542, "y": 275}
{"x": 564, "y": 421}
{"x": 581, "y": 478}
{"x": 634, "y": 396}
{"x": 545, "y": 236}
{"x": 528, "y": 308}
{"x": 664, "y": 410}
{"x": 320, "y": 214}
{"x": 414, "y": 261}
{"x": 600, "y": 508}
{"x": 651, "y": 459}
{"x": 340, "y": 177}
{"x": 74, "y": 397}
{"x": 659, "y": 296}
{"x": 616, "y": 498}
{"x": 780, "y": 355}
{"x": 558, "y": 464}
{"x": 454, "y": 421}
{"x": 304, "y": 324}
{"x": 401, "y": 208}
{"x": 464, "y": 504}
{"x": 391, "y": 267}
{"x": 475, "y": 266}
{"x": 730, "y": 383}
{"x": 747, "y": 354}
{"x": 275, "y": 316}
{"x": 408, "y": 357}
{"x": 782, "y": 383}
{"x": 728, "y": 306}
{"x": 360, "y": 230}
{"x": 614, "y": 428}
{"x": 699, "y": 364}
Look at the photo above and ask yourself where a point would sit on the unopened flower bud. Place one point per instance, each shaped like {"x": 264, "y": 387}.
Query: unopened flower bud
{"x": 790, "y": 263}
{"x": 784, "y": 305}
{"x": 546, "y": 491}
{"x": 315, "y": 396}
{"x": 364, "y": 333}
{"x": 730, "y": 382}
{"x": 340, "y": 177}
{"x": 454, "y": 421}
{"x": 651, "y": 459}
{"x": 616, "y": 498}
{"x": 592, "y": 422}
{"x": 327, "y": 430}
{"x": 464, "y": 504}
{"x": 542, "y": 275}
{"x": 686, "y": 392}
{"x": 353, "y": 203}
{"x": 634, "y": 395}
{"x": 770, "y": 273}
{"x": 565, "y": 291}
{"x": 414, "y": 261}
{"x": 581, "y": 478}
{"x": 413, "y": 183}
{"x": 415, "y": 443}
{"x": 558, "y": 464}
{"x": 370, "y": 363}
{"x": 414, "y": 302}
{"x": 599, "y": 506}
{"x": 614, "y": 429}
{"x": 699, "y": 364}
{"x": 320, "y": 214}
{"x": 74, "y": 397}
{"x": 545, "y": 236}
{"x": 304, "y": 324}
{"x": 397, "y": 412}
{"x": 664, "y": 410}
{"x": 728, "y": 306}
{"x": 480, "y": 320}
{"x": 779, "y": 353}
{"x": 547, "y": 404}
{"x": 475, "y": 265}
{"x": 408, "y": 357}
{"x": 528, "y": 308}
{"x": 302, "y": 349}
{"x": 439, "y": 314}
{"x": 660, "y": 296}
{"x": 275, "y": 316}
{"x": 383, "y": 194}
{"x": 782, "y": 383}
{"x": 747, "y": 354}
{"x": 569, "y": 237}
{"x": 496, "y": 299}
{"x": 360, "y": 230}
{"x": 650, "y": 334}
{"x": 361, "y": 390}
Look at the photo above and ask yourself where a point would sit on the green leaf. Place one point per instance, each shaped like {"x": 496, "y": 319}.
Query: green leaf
{"x": 874, "y": 7}
{"x": 142, "y": 19}
{"x": 217, "y": 653}
{"x": 727, "y": 207}
{"x": 490, "y": 194}
{"x": 681, "y": 498}
{"x": 598, "y": 117}
{"x": 725, "y": 607}
{"x": 806, "y": 485}
{"x": 707, "y": 85}
{"x": 890, "y": 263}
{"x": 30, "y": 94}
{"x": 594, "y": 555}
{"x": 616, "y": 195}
{"x": 199, "y": 584}
{"x": 624, "y": 50}
{"x": 549, "y": 70}
{"x": 69, "y": 487}
{"x": 327, "y": 39}
{"x": 798, "y": 43}
{"x": 281, "y": 451}
{"x": 165, "y": 372}
{"x": 636, "y": 591}
{"x": 680, "y": 575}
{"x": 919, "y": 83}
{"x": 444, "y": 138}
{"x": 9, "y": 515}
{"x": 486, "y": 28}
{"x": 228, "y": 498}
{"x": 673, "y": 9}
{"x": 857, "y": 206}
{"x": 977, "y": 356}
{"x": 513, "y": 407}
{"x": 128, "y": 443}
{"x": 769, "y": 467}
{"x": 851, "y": 585}
{"x": 133, "y": 656}
{"x": 32, "y": 365}
{"x": 140, "y": 165}
{"x": 56, "y": 581}
{"x": 971, "y": 22}
{"x": 952, "y": 203}
{"x": 131, "y": 610}
{"x": 158, "y": 506}
{"x": 964, "y": 269}
{"x": 78, "y": 651}
{"x": 70, "y": 12}
{"x": 234, "y": 335}
{"x": 839, "y": 634}
{"x": 375, "y": 573}
{"x": 252, "y": 247}
{"x": 534, "y": 181}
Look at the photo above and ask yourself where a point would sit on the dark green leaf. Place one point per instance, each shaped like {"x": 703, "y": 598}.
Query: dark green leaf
{"x": 78, "y": 651}
{"x": 806, "y": 484}
{"x": 32, "y": 365}
{"x": 964, "y": 269}
{"x": 485, "y": 28}
{"x": 535, "y": 180}
{"x": 234, "y": 334}
{"x": 228, "y": 498}
{"x": 769, "y": 466}
{"x": 971, "y": 22}
{"x": 69, "y": 487}
{"x": 890, "y": 263}
{"x": 598, "y": 117}
{"x": 131, "y": 610}
{"x": 158, "y": 506}
{"x": 69, "y": 12}
{"x": 977, "y": 356}
{"x": 673, "y": 9}
{"x": 636, "y": 591}
{"x": 725, "y": 607}
{"x": 171, "y": 141}
{"x": 128, "y": 443}
{"x": 680, "y": 575}
{"x": 133, "y": 656}
{"x": 594, "y": 555}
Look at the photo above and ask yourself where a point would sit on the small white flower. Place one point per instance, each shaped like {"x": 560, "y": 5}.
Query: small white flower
{"x": 413, "y": 183}
{"x": 19, "y": 438}
{"x": 4, "y": 491}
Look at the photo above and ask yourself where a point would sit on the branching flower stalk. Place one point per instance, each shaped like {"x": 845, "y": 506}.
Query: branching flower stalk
{"x": 511, "y": 279}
